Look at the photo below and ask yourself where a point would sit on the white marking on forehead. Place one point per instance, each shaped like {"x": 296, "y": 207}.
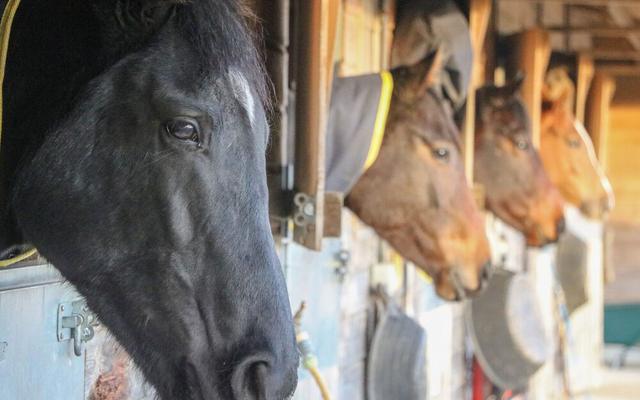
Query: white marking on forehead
{"x": 242, "y": 91}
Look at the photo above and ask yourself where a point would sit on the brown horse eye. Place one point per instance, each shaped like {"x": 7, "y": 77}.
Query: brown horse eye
{"x": 441, "y": 154}
{"x": 183, "y": 129}
{"x": 573, "y": 143}
{"x": 522, "y": 144}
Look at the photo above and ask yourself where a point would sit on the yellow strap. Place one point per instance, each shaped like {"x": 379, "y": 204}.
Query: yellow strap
{"x": 398, "y": 261}
{"x": 381, "y": 118}
{"x": 5, "y": 32}
{"x": 9, "y": 262}
{"x": 424, "y": 276}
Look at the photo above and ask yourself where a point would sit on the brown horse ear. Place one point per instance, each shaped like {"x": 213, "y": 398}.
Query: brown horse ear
{"x": 430, "y": 69}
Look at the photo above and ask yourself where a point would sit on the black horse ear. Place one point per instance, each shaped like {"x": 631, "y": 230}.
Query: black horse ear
{"x": 517, "y": 81}
{"x": 138, "y": 15}
{"x": 429, "y": 70}
{"x": 151, "y": 13}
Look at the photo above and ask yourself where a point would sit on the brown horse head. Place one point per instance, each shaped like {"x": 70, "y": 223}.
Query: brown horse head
{"x": 415, "y": 195}
{"x": 517, "y": 187}
{"x": 567, "y": 151}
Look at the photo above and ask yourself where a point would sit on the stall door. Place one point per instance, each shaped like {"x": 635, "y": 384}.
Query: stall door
{"x": 34, "y": 364}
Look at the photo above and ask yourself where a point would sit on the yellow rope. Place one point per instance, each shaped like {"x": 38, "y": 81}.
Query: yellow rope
{"x": 381, "y": 118}
{"x": 21, "y": 257}
{"x": 5, "y": 32}
{"x": 324, "y": 390}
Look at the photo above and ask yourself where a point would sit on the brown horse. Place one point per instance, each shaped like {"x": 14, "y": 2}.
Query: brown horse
{"x": 567, "y": 151}
{"x": 517, "y": 187}
{"x": 415, "y": 195}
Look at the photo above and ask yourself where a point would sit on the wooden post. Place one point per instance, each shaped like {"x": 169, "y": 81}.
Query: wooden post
{"x": 598, "y": 105}
{"x": 274, "y": 16}
{"x": 479, "y": 15}
{"x": 584, "y": 76}
{"x": 317, "y": 23}
{"x": 531, "y": 55}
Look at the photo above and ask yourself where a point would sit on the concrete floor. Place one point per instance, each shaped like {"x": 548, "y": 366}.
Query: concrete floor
{"x": 617, "y": 384}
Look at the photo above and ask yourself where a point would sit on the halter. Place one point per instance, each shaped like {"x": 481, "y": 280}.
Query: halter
{"x": 5, "y": 32}
{"x": 381, "y": 118}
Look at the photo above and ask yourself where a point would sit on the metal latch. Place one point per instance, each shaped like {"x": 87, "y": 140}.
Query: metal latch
{"x": 76, "y": 322}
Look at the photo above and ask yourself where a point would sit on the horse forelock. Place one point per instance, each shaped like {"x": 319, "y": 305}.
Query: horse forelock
{"x": 219, "y": 31}
{"x": 440, "y": 118}
{"x": 490, "y": 97}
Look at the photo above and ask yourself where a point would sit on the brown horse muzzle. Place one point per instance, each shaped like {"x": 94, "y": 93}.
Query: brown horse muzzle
{"x": 546, "y": 213}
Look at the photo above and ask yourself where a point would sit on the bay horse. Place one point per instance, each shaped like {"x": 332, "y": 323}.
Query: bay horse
{"x": 414, "y": 194}
{"x": 133, "y": 158}
{"x": 567, "y": 151}
{"x": 518, "y": 189}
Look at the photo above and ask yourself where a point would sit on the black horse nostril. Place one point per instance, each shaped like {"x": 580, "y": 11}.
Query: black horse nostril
{"x": 485, "y": 275}
{"x": 258, "y": 378}
{"x": 560, "y": 226}
{"x": 250, "y": 380}
{"x": 487, "y": 270}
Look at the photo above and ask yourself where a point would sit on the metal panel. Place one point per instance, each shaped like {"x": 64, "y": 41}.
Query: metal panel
{"x": 34, "y": 365}
{"x": 312, "y": 277}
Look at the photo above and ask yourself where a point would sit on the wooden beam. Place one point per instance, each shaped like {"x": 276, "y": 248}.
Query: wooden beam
{"x": 585, "y": 70}
{"x": 479, "y": 16}
{"x": 531, "y": 53}
{"x": 581, "y": 2}
{"x": 598, "y": 105}
{"x": 620, "y": 70}
{"x": 595, "y": 31}
{"x": 314, "y": 42}
{"x": 599, "y": 54}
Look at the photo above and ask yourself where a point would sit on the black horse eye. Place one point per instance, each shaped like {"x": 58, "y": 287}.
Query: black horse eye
{"x": 441, "y": 154}
{"x": 183, "y": 129}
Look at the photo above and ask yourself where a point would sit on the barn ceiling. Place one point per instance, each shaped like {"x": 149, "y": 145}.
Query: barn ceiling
{"x": 608, "y": 30}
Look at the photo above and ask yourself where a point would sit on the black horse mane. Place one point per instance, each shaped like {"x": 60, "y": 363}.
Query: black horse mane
{"x": 219, "y": 31}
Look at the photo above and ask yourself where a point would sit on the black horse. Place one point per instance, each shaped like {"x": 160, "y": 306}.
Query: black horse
{"x": 133, "y": 158}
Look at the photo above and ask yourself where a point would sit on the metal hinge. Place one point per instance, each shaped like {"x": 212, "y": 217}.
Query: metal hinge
{"x": 76, "y": 322}
{"x": 304, "y": 212}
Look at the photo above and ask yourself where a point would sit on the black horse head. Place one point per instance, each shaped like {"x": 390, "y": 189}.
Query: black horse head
{"x": 135, "y": 163}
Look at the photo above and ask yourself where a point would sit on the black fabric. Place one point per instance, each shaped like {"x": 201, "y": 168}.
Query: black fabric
{"x": 352, "y": 115}
{"x": 424, "y": 26}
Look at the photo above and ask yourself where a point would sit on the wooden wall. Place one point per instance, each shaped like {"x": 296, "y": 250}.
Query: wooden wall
{"x": 623, "y": 169}
{"x": 366, "y": 33}
{"x": 623, "y": 161}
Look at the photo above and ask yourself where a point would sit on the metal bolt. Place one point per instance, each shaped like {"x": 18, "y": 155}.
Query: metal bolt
{"x": 3, "y": 350}
{"x": 344, "y": 256}
{"x": 309, "y": 209}
{"x": 341, "y": 272}
{"x": 61, "y": 308}
{"x": 60, "y": 336}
